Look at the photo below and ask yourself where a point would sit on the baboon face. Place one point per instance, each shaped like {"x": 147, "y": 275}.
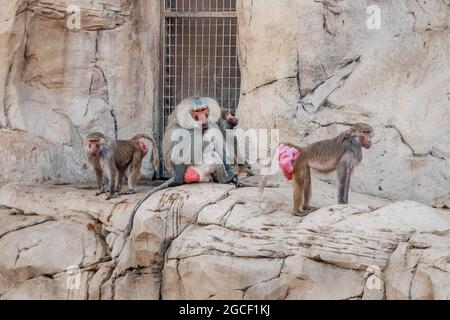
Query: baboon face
{"x": 93, "y": 147}
{"x": 232, "y": 120}
{"x": 93, "y": 144}
{"x": 363, "y": 132}
{"x": 201, "y": 115}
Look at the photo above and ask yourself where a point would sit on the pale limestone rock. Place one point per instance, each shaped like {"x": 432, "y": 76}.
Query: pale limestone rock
{"x": 161, "y": 219}
{"x": 45, "y": 288}
{"x": 374, "y": 292}
{"x": 137, "y": 285}
{"x": 73, "y": 203}
{"x": 58, "y": 83}
{"x": 293, "y": 79}
{"x": 100, "y": 277}
{"x": 218, "y": 242}
{"x": 334, "y": 249}
{"x": 307, "y": 280}
{"x": 48, "y": 248}
{"x": 206, "y": 276}
{"x": 309, "y": 68}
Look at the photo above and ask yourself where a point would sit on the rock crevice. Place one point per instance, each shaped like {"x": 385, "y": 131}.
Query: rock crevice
{"x": 236, "y": 249}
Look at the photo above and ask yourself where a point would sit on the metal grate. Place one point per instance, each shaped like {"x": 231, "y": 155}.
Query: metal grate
{"x": 200, "y": 5}
{"x": 200, "y": 52}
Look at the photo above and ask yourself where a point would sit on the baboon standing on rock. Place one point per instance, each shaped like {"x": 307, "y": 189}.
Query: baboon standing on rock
{"x": 227, "y": 123}
{"x": 342, "y": 153}
{"x": 114, "y": 157}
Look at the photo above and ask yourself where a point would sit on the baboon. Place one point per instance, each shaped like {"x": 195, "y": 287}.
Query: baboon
{"x": 114, "y": 157}
{"x": 342, "y": 153}
{"x": 228, "y": 121}
{"x": 192, "y": 114}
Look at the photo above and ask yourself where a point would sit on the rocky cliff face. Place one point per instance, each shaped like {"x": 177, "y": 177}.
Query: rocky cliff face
{"x": 215, "y": 242}
{"x": 309, "y": 68}
{"x": 59, "y": 82}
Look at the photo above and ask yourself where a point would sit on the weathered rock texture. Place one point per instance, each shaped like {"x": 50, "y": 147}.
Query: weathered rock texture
{"x": 57, "y": 84}
{"x": 216, "y": 242}
{"x": 309, "y": 68}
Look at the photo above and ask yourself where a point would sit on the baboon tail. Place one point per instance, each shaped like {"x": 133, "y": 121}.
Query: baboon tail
{"x": 155, "y": 153}
{"x": 262, "y": 185}
{"x": 165, "y": 185}
{"x": 263, "y": 182}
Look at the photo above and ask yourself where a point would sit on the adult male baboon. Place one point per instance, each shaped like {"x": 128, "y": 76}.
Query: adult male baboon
{"x": 342, "y": 153}
{"x": 114, "y": 157}
{"x": 192, "y": 116}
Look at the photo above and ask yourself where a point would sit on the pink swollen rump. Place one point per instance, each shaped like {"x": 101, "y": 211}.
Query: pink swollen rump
{"x": 286, "y": 156}
{"x": 143, "y": 146}
{"x": 191, "y": 176}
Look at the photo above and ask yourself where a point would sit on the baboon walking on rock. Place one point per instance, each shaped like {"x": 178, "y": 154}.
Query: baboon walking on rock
{"x": 342, "y": 153}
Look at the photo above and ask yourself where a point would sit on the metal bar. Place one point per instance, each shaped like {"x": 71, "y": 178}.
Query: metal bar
{"x": 195, "y": 91}
{"x": 175, "y": 69}
{"x": 238, "y": 69}
{"x": 229, "y": 65}
{"x": 189, "y": 59}
{"x": 209, "y": 53}
{"x": 222, "y": 75}
{"x": 182, "y": 60}
{"x": 219, "y": 79}
{"x": 204, "y": 14}
{"x": 202, "y": 73}
{"x": 215, "y": 59}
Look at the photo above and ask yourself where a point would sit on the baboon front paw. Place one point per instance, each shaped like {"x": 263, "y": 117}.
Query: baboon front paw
{"x": 99, "y": 193}
{"x": 238, "y": 184}
{"x": 310, "y": 209}
{"x": 300, "y": 213}
{"x": 110, "y": 197}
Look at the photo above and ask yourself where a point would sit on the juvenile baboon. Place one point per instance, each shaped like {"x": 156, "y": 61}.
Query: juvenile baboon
{"x": 228, "y": 121}
{"x": 114, "y": 157}
{"x": 342, "y": 153}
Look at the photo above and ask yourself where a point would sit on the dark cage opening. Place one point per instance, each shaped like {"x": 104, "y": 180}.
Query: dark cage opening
{"x": 200, "y": 52}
